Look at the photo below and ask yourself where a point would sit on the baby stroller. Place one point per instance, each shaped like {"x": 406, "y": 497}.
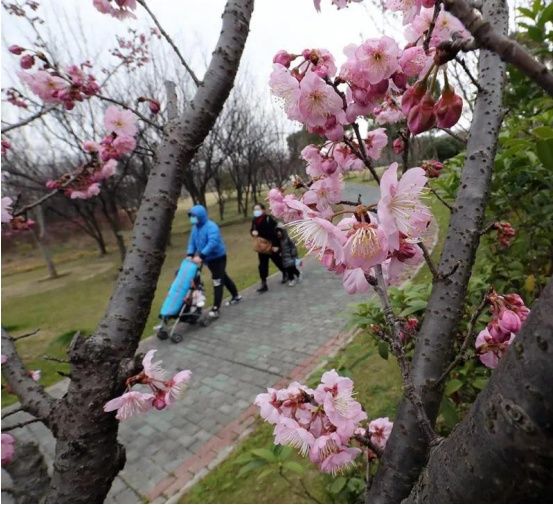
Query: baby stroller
{"x": 184, "y": 302}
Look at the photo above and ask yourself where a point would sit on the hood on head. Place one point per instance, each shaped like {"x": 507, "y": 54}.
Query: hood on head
{"x": 282, "y": 228}
{"x": 200, "y": 212}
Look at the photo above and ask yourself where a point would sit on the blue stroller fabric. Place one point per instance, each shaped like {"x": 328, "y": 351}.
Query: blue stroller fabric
{"x": 179, "y": 288}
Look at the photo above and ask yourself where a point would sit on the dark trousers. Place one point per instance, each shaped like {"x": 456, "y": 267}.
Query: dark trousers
{"x": 264, "y": 264}
{"x": 292, "y": 272}
{"x": 220, "y": 278}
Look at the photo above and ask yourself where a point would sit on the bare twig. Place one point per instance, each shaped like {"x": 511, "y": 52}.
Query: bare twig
{"x": 487, "y": 228}
{"x": 468, "y": 339}
{"x": 367, "y": 442}
{"x": 469, "y": 73}
{"x": 437, "y": 195}
{"x": 363, "y": 153}
{"x": 197, "y": 82}
{"x": 31, "y": 394}
{"x": 11, "y": 412}
{"x": 21, "y": 424}
{"x": 429, "y": 262}
{"x": 25, "y": 335}
{"x": 454, "y": 135}
{"x": 426, "y": 43}
{"x": 26, "y": 121}
{"x": 379, "y": 285}
{"x": 507, "y": 49}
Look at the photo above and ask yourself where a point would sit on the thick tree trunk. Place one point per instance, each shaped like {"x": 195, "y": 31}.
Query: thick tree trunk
{"x": 406, "y": 451}
{"x": 88, "y": 456}
{"x": 502, "y": 452}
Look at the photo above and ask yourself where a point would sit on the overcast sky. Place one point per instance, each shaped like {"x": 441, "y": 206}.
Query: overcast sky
{"x": 195, "y": 24}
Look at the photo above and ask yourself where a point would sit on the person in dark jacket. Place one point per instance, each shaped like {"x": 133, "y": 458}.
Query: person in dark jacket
{"x": 206, "y": 245}
{"x": 289, "y": 255}
{"x": 264, "y": 226}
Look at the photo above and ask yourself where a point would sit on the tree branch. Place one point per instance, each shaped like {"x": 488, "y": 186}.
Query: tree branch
{"x": 197, "y": 82}
{"x": 437, "y": 195}
{"x": 26, "y": 121}
{"x": 507, "y": 49}
{"x": 508, "y": 427}
{"x": 31, "y": 394}
{"x": 407, "y": 448}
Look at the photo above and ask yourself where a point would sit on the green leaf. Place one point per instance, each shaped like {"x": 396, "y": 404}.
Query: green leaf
{"x": 449, "y": 413}
{"x": 413, "y": 307}
{"x": 243, "y": 459}
{"x": 265, "y": 473}
{"x": 452, "y": 386}
{"x": 285, "y": 452}
{"x": 337, "y": 485}
{"x": 252, "y": 465}
{"x": 293, "y": 466}
{"x": 543, "y": 132}
{"x": 265, "y": 454}
{"x": 383, "y": 349}
{"x": 545, "y": 152}
{"x": 480, "y": 383}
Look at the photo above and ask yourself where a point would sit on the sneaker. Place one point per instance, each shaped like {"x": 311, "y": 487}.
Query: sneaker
{"x": 284, "y": 279}
{"x": 213, "y": 313}
{"x": 263, "y": 288}
{"x": 292, "y": 283}
{"x": 234, "y": 300}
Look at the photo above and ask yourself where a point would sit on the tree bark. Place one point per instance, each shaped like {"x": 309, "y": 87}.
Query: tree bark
{"x": 502, "y": 452}
{"x": 406, "y": 451}
{"x": 88, "y": 456}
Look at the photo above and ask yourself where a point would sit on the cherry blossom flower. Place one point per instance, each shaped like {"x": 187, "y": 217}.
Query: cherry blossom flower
{"x": 35, "y": 375}
{"x": 371, "y": 62}
{"x": 120, "y": 9}
{"x": 7, "y": 210}
{"x": 354, "y": 281}
{"x": 288, "y": 432}
{"x": 317, "y": 101}
{"x": 268, "y": 405}
{"x": 414, "y": 61}
{"x": 285, "y": 86}
{"x": 153, "y": 370}
{"x": 84, "y": 194}
{"x": 324, "y": 192}
{"x": 120, "y": 121}
{"x": 341, "y": 460}
{"x": 319, "y": 235}
{"x": 367, "y": 246}
{"x": 129, "y": 404}
{"x": 176, "y": 386}
{"x": 400, "y": 209}
{"x": 380, "y": 430}
{"x": 8, "y": 448}
{"x": 44, "y": 85}
{"x": 4, "y": 359}
{"x": 376, "y": 141}
{"x": 489, "y": 349}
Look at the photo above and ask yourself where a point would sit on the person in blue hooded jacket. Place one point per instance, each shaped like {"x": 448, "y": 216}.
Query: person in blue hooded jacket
{"x": 206, "y": 245}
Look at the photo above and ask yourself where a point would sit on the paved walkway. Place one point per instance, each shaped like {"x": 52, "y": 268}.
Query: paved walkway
{"x": 267, "y": 340}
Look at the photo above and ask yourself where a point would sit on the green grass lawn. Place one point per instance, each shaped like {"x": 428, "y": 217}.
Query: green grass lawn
{"x": 77, "y": 301}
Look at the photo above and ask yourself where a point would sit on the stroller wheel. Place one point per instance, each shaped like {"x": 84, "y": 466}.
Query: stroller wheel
{"x": 162, "y": 334}
{"x": 205, "y": 322}
{"x": 176, "y": 338}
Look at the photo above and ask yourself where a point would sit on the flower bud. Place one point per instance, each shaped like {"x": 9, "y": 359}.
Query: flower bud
{"x": 509, "y": 321}
{"x": 432, "y": 168}
{"x": 421, "y": 117}
{"x": 15, "y": 49}
{"x": 27, "y": 61}
{"x": 448, "y": 108}
{"x": 412, "y": 96}
{"x": 159, "y": 403}
{"x": 398, "y": 145}
{"x": 283, "y": 58}
{"x": 154, "y": 106}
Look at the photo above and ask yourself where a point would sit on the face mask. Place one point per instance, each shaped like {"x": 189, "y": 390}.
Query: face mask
{"x": 257, "y": 213}
{"x": 193, "y": 219}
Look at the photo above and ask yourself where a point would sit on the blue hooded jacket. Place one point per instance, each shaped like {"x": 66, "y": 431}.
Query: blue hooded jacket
{"x": 205, "y": 238}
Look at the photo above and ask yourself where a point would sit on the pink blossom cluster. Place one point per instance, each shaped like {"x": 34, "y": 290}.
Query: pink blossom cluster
{"x": 53, "y": 85}
{"x": 322, "y": 423}
{"x": 120, "y": 9}
{"x": 362, "y": 238}
{"x": 8, "y": 448}
{"x": 164, "y": 392}
{"x": 85, "y": 182}
{"x": 14, "y": 97}
{"x": 508, "y": 314}
{"x": 505, "y": 233}
{"x": 134, "y": 51}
